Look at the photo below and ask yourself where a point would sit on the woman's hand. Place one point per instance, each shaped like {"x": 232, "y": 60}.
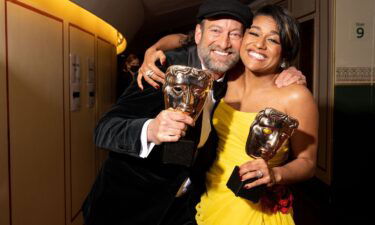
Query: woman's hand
{"x": 149, "y": 71}
{"x": 257, "y": 168}
{"x": 290, "y": 76}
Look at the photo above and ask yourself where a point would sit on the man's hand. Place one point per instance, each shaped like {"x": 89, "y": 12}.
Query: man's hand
{"x": 149, "y": 71}
{"x": 168, "y": 126}
{"x": 290, "y": 76}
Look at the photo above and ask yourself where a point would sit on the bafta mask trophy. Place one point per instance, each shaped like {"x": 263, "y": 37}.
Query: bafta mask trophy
{"x": 268, "y": 133}
{"x": 185, "y": 90}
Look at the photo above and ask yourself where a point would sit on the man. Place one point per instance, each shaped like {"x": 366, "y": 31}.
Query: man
{"x": 134, "y": 186}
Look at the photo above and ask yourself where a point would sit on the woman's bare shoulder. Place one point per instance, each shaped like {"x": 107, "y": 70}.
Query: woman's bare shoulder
{"x": 299, "y": 102}
{"x": 296, "y": 93}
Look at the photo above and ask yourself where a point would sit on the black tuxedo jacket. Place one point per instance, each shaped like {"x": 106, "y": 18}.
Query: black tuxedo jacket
{"x": 130, "y": 189}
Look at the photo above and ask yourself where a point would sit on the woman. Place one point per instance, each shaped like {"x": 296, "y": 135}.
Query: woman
{"x": 271, "y": 44}
{"x": 127, "y": 73}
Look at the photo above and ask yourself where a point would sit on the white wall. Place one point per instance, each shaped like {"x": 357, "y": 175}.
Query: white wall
{"x": 354, "y": 56}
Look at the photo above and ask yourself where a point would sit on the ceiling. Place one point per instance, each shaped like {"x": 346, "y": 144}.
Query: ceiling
{"x": 141, "y": 19}
{"x": 161, "y": 7}
{"x": 161, "y": 15}
{"x": 166, "y": 16}
{"x": 131, "y": 16}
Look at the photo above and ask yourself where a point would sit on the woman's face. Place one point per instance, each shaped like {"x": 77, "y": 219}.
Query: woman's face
{"x": 134, "y": 63}
{"x": 261, "y": 48}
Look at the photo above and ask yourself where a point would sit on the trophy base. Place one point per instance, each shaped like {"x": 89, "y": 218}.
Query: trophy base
{"x": 179, "y": 153}
{"x": 237, "y": 186}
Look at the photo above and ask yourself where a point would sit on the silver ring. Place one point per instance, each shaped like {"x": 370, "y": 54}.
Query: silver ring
{"x": 149, "y": 73}
{"x": 259, "y": 174}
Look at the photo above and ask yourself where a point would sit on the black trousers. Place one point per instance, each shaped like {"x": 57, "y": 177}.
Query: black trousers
{"x": 112, "y": 201}
{"x": 182, "y": 211}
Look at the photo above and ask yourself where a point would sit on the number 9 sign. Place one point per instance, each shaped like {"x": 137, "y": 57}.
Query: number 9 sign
{"x": 360, "y": 32}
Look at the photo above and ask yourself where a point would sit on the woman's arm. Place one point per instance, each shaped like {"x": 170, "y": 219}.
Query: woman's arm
{"x": 170, "y": 42}
{"x": 154, "y": 53}
{"x": 299, "y": 104}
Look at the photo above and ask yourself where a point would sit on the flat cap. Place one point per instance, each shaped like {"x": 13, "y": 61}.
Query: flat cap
{"x": 232, "y": 8}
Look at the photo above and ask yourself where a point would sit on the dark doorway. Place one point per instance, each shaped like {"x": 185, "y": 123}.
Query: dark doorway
{"x": 306, "y": 59}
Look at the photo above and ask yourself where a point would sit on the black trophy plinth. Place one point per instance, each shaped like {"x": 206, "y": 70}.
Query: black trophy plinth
{"x": 179, "y": 153}
{"x": 237, "y": 186}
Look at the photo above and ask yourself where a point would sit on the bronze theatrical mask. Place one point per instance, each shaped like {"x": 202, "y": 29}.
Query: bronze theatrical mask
{"x": 186, "y": 89}
{"x": 268, "y": 133}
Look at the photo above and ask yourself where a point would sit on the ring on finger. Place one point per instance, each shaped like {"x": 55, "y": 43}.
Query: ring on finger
{"x": 149, "y": 73}
{"x": 259, "y": 174}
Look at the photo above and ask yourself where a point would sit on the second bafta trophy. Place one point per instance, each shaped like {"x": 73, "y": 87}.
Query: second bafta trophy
{"x": 185, "y": 90}
{"x": 268, "y": 133}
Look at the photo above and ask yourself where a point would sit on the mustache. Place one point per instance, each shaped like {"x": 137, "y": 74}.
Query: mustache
{"x": 218, "y": 48}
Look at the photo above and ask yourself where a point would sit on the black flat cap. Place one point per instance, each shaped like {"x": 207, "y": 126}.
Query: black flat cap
{"x": 232, "y": 8}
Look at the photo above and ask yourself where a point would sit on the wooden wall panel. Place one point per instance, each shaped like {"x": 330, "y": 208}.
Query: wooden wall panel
{"x": 106, "y": 85}
{"x": 302, "y": 7}
{"x": 35, "y": 59}
{"x": 324, "y": 90}
{"x": 105, "y": 77}
{"x": 82, "y": 153}
{"x": 4, "y": 172}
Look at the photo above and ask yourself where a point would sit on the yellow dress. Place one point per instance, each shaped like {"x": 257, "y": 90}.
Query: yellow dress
{"x": 219, "y": 206}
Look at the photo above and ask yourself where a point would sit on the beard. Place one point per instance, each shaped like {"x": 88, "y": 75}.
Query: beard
{"x": 215, "y": 65}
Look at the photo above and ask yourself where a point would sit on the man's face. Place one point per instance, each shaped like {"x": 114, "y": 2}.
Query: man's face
{"x": 186, "y": 89}
{"x": 219, "y": 42}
